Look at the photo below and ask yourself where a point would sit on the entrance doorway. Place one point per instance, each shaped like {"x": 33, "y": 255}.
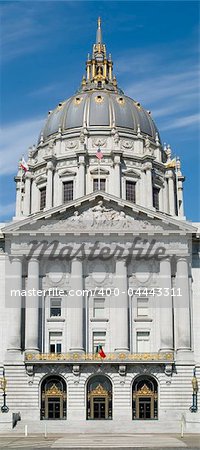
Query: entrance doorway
{"x": 53, "y": 399}
{"x": 54, "y": 409}
{"x": 99, "y": 394}
{"x": 145, "y": 398}
{"x": 99, "y": 408}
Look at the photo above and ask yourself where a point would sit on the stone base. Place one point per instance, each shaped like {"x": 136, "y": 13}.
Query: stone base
{"x": 6, "y": 421}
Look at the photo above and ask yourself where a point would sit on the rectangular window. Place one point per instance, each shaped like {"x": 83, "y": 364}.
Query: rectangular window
{"x": 99, "y": 184}
{"x": 42, "y": 198}
{"x": 55, "y": 342}
{"x": 143, "y": 341}
{"x": 99, "y": 338}
{"x": 142, "y": 307}
{"x": 55, "y": 307}
{"x": 99, "y": 308}
{"x": 130, "y": 191}
{"x": 156, "y": 197}
{"x": 67, "y": 191}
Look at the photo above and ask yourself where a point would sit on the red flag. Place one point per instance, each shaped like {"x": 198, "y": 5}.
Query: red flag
{"x": 99, "y": 154}
{"x": 23, "y": 164}
{"x": 101, "y": 352}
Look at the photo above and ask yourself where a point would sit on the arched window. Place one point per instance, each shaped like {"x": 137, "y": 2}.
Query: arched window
{"x": 145, "y": 398}
{"x": 99, "y": 398}
{"x": 53, "y": 398}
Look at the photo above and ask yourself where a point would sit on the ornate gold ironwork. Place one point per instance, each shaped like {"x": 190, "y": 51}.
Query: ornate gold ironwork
{"x": 99, "y": 391}
{"x": 3, "y": 384}
{"x": 135, "y": 357}
{"x": 54, "y": 391}
{"x": 144, "y": 390}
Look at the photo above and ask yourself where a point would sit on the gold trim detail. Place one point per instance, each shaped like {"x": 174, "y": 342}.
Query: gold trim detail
{"x": 54, "y": 391}
{"x": 99, "y": 391}
{"x": 137, "y": 357}
{"x": 145, "y": 391}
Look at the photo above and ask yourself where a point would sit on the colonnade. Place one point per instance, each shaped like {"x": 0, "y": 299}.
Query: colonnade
{"x": 167, "y": 196}
{"x": 179, "y": 306}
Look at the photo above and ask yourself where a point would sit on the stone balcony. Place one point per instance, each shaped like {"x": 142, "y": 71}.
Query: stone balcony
{"x": 161, "y": 357}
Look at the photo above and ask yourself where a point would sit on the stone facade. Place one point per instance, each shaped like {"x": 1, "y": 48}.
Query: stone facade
{"x": 100, "y": 258}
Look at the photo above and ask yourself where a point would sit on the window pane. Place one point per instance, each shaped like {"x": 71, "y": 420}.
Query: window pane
{"x": 156, "y": 198}
{"x": 143, "y": 341}
{"x": 96, "y": 184}
{"x": 142, "y": 306}
{"x": 55, "y": 307}
{"x": 58, "y": 348}
{"x": 99, "y": 308}
{"x": 99, "y": 338}
{"x": 42, "y": 198}
{"x": 130, "y": 191}
{"x": 67, "y": 191}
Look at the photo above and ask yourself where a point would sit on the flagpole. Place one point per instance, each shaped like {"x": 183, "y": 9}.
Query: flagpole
{"x": 21, "y": 190}
{"x": 99, "y": 184}
{"x": 176, "y": 175}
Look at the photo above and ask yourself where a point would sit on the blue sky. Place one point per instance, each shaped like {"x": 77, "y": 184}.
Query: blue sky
{"x": 156, "y": 56}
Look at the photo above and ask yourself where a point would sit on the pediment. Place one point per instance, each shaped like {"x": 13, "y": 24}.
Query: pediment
{"x": 100, "y": 213}
{"x": 102, "y": 171}
{"x": 131, "y": 173}
{"x": 67, "y": 173}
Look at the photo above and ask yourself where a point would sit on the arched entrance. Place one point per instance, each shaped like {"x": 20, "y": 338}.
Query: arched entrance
{"x": 145, "y": 398}
{"x": 99, "y": 398}
{"x": 53, "y": 398}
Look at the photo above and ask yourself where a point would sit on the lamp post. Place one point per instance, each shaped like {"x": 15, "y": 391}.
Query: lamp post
{"x": 194, "y": 406}
{"x": 3, "y": 384}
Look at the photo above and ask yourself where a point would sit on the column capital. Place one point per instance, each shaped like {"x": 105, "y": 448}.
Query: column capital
{"x": 16, "y": 258}
{"x": 182, "y": 258}
{"x": 50, "y": 165}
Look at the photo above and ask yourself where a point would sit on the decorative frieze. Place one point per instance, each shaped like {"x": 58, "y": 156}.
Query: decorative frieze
{"x": 128, "y": 357}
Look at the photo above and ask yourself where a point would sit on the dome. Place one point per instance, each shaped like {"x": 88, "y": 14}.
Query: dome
{"x": 99, "y": 108}
{"x": 99, "y": 102}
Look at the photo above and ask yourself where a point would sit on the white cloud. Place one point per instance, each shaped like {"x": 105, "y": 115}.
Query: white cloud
{"x": 16, "y": 138}
{"x": 181, "y": 122}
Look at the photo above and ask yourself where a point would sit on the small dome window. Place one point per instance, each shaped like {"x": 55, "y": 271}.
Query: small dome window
{"x": 78, "y": 100}
{"x": 99, "y": 99}
{"x": 121, "y": 100}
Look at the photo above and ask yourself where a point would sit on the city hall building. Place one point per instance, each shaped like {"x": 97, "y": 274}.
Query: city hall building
{"x": 99, "y": 272}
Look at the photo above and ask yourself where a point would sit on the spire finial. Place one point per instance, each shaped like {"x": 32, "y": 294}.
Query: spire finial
{"x": 99, "y": 33}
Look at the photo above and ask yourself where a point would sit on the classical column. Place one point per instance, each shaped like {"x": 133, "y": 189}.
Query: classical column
{"x": 165, "y": 305}
{"x": 57, "y": 189}
{"x": 171, "y": 193}
{"x": 182, "y": 306}
{"x": 49, "y": 191}
{"x": 14, "y": 282}
{"x": 120, "y": 307}
{"x": 80, "y": 185}
{"x": 27, "y": 196}
{"x": 18, "y": 209}
{"x": 76, "y": 307}
{"x": 32, "y": 306}
{"x": 34, "y": 198}
{"x": 180, "y": 197}
{"x": 117, "y": 178}
{"x": 166, "y": 196}
{"x": 148, "y": 186}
